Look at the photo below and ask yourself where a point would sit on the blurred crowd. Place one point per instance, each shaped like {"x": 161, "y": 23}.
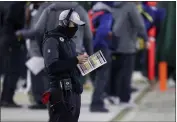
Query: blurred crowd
{"x": 118, "y": 29}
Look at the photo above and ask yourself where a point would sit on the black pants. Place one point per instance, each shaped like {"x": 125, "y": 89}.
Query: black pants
{"x": 101, "y": 79}
{"x": 11, "y": 52}
{"x": 172, "y": 72}
{"x": 68, "y": 112}
{"x": 122, "y": 69}
{"x": 11, "y": 73}
{"x": 141, "y": 61}
{"x": 2, "y": 67}
{"x": 39, "y": 85}
{"x": 6, "y": 41}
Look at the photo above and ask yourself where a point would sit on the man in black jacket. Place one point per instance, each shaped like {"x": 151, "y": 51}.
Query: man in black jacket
{"x": 61, "y": 61}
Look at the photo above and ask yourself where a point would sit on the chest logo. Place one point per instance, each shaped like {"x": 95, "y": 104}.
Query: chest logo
{"x": 61, "y": 39}
{"x": 48, "y": 51}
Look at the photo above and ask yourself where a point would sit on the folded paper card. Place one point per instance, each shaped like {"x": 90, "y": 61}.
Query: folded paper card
{"x": 35, "y": 64}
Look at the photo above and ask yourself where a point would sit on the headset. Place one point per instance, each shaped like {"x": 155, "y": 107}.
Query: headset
{"x": 67, "y": 19}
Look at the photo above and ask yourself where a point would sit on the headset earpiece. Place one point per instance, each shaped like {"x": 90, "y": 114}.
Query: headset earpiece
{"x": 67, "y": 19}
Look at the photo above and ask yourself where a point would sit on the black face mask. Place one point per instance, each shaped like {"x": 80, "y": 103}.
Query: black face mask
{"x": 71, "y": 31}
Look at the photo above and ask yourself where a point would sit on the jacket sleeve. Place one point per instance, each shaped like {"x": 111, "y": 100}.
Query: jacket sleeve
{"x": 51, "y": 58}
{"x": 38, "y": 28}
{"x": 104, "y": 26}
{"x": 119, "y": 19}
{"x": 41, "y": 23}
{"x": 137, "y": 21}
{"x": 87, "y": 39}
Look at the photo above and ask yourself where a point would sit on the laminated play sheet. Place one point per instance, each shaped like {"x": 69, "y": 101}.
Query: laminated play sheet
{"x": 94, "y": 61}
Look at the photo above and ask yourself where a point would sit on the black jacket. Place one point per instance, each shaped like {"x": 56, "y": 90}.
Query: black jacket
{"x": 13, "y": 16}
{"x": 60, "y": 59}
{"x": 12, "y": 19}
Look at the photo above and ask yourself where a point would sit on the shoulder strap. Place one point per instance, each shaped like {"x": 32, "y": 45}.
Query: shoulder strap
{"x": 96, "y": 14}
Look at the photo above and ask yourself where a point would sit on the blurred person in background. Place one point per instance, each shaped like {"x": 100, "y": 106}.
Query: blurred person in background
{"x": 127, "y": 24}
{"x": 152, "y": 16}
{"x": 39, "y": 81}
{"x": 11, "y": 49}
{"x": 102, "y": 22}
